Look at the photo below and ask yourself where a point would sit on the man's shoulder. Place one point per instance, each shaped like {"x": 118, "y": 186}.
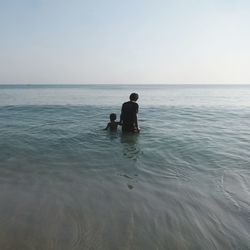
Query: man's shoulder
{"x": 126, "y": 103}
{"x": 130, "y": 106}
{"x": 130, "y": 103}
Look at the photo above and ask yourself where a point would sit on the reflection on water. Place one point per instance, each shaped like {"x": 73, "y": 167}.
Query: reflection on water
{"x": 130, "y": 145}
{"x": 131, "y": 151}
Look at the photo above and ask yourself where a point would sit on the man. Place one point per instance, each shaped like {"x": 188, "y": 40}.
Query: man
{"x": 128, "y": 118}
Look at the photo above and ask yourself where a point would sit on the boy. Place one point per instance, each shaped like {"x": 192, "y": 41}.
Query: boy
{"x": 112, "y": 125}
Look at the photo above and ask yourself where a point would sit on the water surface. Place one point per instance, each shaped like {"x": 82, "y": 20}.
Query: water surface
{"x": 182, "y": 183}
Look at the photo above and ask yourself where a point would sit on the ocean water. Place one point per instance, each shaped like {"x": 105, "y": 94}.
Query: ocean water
{"x": 182, "y": 183}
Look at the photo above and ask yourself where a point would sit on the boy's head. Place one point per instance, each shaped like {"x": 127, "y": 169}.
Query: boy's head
{"x": 112, "y": 117}
{"x": 134, "y": 97}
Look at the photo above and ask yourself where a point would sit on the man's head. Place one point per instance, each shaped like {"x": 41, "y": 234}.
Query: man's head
{"x": 134, "y": 97}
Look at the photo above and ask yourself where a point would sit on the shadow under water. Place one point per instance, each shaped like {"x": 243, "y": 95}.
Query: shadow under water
{"x": 130, "y": 145}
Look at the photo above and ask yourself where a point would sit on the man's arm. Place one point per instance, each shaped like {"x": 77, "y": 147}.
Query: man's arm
{"x": 135, "y": 117}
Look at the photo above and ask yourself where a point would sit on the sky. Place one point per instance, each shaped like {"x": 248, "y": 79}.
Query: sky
{"x": 124, "y": 42}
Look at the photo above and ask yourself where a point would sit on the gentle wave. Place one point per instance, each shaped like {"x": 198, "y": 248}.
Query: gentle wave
{"x": 182, "y": 183}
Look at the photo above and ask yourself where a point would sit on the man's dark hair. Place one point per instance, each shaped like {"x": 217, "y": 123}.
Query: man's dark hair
{"x": 112, "y": 116}
{"x": 134, "y": 97}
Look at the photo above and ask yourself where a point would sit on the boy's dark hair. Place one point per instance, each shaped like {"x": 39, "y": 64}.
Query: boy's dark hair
{"x": 112, "y": 117}
{"x": 134, "y": 97}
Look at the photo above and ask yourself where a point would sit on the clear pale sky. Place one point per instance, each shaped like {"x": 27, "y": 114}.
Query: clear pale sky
{"x": 128, "y": 42}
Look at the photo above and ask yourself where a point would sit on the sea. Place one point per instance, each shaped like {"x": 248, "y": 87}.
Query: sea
{"x": 183, "y": 182}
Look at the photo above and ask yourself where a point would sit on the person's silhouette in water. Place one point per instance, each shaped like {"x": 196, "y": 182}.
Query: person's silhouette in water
{"x": 112, "y": 125}
{"x": 128, "y": 118}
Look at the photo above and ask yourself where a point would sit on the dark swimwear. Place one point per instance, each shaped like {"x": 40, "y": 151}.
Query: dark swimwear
{"x": 129, "y": 116}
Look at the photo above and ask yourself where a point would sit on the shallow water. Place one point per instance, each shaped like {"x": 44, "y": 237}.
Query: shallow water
{"x": 182, "y": 183}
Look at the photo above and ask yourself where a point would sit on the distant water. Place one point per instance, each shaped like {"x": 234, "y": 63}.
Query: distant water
{"x": 182, "y": 183}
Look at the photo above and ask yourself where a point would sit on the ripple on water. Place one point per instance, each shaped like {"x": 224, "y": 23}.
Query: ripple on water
{"x": 182, "y": 183}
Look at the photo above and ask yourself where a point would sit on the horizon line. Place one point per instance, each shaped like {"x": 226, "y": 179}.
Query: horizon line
{"x": 121, "y": 84}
